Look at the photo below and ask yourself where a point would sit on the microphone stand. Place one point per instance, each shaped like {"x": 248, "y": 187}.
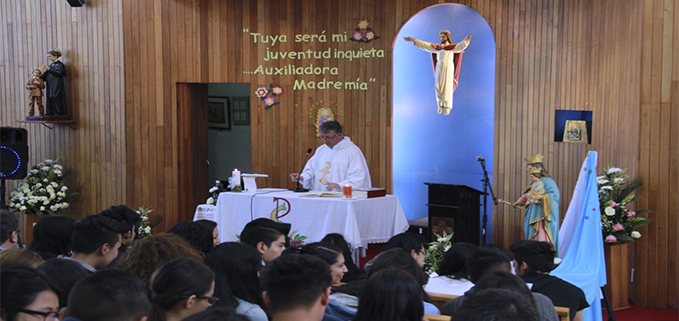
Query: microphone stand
{"x": 486, "y": 186}
{"x": 299, "y": 188}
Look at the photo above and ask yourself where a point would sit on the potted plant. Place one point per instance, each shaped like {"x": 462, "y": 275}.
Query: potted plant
{"x": 616, "y": 192}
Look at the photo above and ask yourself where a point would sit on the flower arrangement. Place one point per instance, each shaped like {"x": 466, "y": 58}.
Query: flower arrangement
{"x": 363, "y": 32}
{"x": 268, "y": 96}
{"x": 435, "y": 251}
{"x": 147, "y": 223}
{"x": 214, "y": 194}
{"x": 616, "y": 193}
{"x": 43, "y": 190}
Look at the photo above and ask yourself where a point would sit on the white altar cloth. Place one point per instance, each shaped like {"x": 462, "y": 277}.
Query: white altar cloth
{"x": 360, "y": 220}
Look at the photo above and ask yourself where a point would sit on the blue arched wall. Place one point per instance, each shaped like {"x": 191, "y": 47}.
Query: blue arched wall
{"x": 429, "y": 147}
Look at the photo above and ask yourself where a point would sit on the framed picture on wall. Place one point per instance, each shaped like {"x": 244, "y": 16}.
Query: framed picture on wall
{"x": 218, "y": 115}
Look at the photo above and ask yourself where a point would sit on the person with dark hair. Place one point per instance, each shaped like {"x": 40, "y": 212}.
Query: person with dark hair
{"x": 496, "y": 305}
{"x": 95, "y": 242}
{"x": 198, "y": 235}
{"x": 52, "y": 236}
{"x": 336, "y": 163}
{"x": 130, "y": 219}
{"x": 391, "y": 295}
{"x": 451, "y": 277}
{"x": 412, "y": 243}
{"x": 490, "y": 261}
{"x": 296, "y": 287}
{"x": 534, "y": 260}
{"x": 56, "y": 89}
{"x": 26, "y": 295}
{"x": 212, "y": 226}
{"x": 338, "y": 240}
{"x": 284, "y": 228}
{"x": 64, "y": 275}
{"x": 152, "y": 252}
{"x": 181, "y": 288}
{"x": 9, "y": 230}
{"x": 19, "y": 257}
{"x": 218, "y": 314}
{"x": 109, "y": 295}
{"x": 331, "y": 255}
{"x": 237, "y": 266}
{"x": 268, "y": 242}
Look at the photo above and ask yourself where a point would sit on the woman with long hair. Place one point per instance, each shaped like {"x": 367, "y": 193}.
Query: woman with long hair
{"x": 451, "y": 277}
{"x": 52, "y": 236}
{"x": 181, "y": 288}
{"x": 26, "y": 295}
{"x": 391, "y": 295}
{"x": 339, "y": 241}
{"x": 237, "y": 266}
{"x": 332, "y": 255}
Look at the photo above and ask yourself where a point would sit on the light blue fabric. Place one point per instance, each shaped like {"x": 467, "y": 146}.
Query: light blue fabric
{"x": 534, "y": 213}
{"x": 431, "y": 309}
{"x": 336, "y": 312}
{"x": 583, "y": 264}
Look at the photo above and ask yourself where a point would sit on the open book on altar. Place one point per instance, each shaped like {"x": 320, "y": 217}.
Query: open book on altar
{"x": 322, "y": 195}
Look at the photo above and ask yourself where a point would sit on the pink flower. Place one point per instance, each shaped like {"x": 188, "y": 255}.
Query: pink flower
{"x": 277, "y": 90}
{"x": 268, "y": 101}
{"x": 261, "y": 92}
{"x": 631, "y": 214}
{"x": 370, "y": 35}
{"x": 614, "y": 204}
{"x": 357, "y": 35}
{"x": 363, "y": 24}
{"x": 618, "y": 227}
{"x": 611, "y": 239}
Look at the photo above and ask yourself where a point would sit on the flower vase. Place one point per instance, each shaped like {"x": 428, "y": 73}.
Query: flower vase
{"x": 30, "y": 219}
{"x": 617, "y": 274}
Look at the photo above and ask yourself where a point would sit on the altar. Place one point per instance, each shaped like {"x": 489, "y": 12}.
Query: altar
{"x": 362, "y": 221}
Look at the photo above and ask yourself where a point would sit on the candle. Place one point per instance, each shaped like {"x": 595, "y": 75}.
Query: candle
{"x": 236, "y": 177}
{"x": 347, "y": 191}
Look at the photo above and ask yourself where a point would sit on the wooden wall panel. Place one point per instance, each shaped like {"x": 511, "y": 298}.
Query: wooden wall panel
{"x": 616, "y": 58}
{"x": 91, "y": 40}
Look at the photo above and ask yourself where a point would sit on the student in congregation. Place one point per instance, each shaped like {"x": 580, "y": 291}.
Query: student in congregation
{"x": 181, "y": 288}
{"x": 212, "y": 226}
{"x": 198, "y": 235}
{"x": 533, "y": 261}
{"x": 109, "y": 295}
{"x": 26, "y": 295}
{"x": 237, "y": 267}
{"x": 95, "y": 242}
{"x": 486, "y": 260}
{"x": 412, "y": 243}
{"x": 130, "y": 219}
{"x": 336, "y": 163}
{"x": 19, "y": 257}
{"x": 9, "y": 230}
{"x": 338, "y": 240}
{"x": 496, "y": 305}
{"x": 268, "y": 242}
{"x": 296, "y": 287}
{"x": 452, "y": 276}
{"x": 64, "y": 275}
{"x": 391, "y": 295}
{"x": 52, "y": 236}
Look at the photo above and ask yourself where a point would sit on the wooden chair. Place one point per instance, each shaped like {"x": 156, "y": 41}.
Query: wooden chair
{"x": 439, "y": 299}
{"x": 435, "y": 317}
{"x": 563, "y": 313}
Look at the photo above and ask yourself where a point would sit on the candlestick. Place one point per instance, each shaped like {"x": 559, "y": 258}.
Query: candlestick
{"x": 236, "y": 177}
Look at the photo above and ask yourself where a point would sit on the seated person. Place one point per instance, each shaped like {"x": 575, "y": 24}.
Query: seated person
{"x": 284, "y": 228}
{"x": 486, "y": 260}
{"x": 130, "y": 219}
{"x": 9, "y": 230}
{"x": 52, "y": 236}
{"x": 412, "y": 243}
{"x": 26, "y": 295}
{"x": 534, "y": 260}
{"x": 152, "y": 252}
{"x": 452, "y": 275}
{"x": 19, "y": 257}
{"x": 198, "y": 235}
{"x": 268, "y": 242}
{"x": 109, "y": 295}
{"x": 64, "y": 275}
{"x": 296, "y": 287}
{"x": 212, "y": 226}
{"x": 391, "y": 295}
{"x": 339, "y": 241}
{"x": 496, "y": 305}
{"x": 181, "y": 288}
{"x": 95, "y": 242}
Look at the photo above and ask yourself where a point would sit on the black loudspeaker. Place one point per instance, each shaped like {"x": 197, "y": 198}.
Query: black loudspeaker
{"x": 13, "y": 153}
{"x": 76, "y": 3}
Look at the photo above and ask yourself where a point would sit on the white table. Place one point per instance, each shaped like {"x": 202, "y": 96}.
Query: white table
{"x": 360, "y": 220}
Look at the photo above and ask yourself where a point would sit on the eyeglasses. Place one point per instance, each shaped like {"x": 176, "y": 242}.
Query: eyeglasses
{"x": 325, "y": 139}
{"x": 46, "y": 316}
{"x": 210, "y": 299}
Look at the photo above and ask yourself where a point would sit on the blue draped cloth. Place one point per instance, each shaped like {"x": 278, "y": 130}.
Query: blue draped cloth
{"x": 582, "y": 249}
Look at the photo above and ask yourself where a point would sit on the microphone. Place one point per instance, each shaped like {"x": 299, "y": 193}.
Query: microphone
{"x": 298, "y": 188}
{"x": 479, "y": 159}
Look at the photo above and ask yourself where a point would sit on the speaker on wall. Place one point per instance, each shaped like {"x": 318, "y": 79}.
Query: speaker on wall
{"x": 76, "y": 3}
{"x": 13, "y": 153}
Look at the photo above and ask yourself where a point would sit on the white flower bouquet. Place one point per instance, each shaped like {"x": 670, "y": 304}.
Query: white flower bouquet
{"x": 43, "y": 190}
{"x": 148, "y": 224}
